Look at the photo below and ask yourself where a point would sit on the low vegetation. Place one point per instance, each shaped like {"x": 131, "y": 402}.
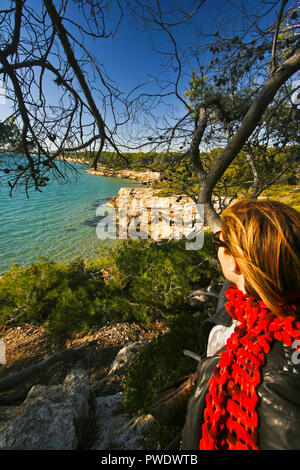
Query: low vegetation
{"x": 139, "y": 280}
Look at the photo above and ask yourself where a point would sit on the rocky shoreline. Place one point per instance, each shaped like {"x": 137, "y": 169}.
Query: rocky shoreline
{"x": 144, "y": 177}
{"x": 81, "y": 161}
{"x": 148, "y": 215}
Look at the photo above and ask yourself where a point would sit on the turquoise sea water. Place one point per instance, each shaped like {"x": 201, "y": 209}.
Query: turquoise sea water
{"x": 59, "y": 223}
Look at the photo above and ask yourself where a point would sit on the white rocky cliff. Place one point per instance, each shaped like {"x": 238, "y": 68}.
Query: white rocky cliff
{"x": 141, "y": 213}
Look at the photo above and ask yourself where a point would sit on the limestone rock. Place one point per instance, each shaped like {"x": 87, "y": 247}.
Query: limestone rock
{"x": 142, "y": 214}
{"x": 116, "y": 429}
{"x": 110, "y": 384}
{"x": 51, "y": 417}
{"x": 126, "y": 356}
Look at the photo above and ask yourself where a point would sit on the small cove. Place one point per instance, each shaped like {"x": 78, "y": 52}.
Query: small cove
{"x": 59, "y": 223}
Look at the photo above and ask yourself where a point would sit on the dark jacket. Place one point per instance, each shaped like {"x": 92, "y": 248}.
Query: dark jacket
{"x": 279, "y": 394}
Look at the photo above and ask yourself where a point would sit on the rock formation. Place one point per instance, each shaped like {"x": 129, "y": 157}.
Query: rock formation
{"x": 51, "y": 417}
{"x": 58, "y": 417}
{"x": 141, "y": 213}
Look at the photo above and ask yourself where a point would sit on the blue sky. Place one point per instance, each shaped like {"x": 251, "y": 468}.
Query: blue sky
{"x": 129, "y": 57}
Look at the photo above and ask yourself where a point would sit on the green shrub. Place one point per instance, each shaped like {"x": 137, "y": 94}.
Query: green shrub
{"x": 137, "y": 280}
{"x": 162, "y": 361}
{"x": 63, "y": 297}
{"x": 157, "y": 277}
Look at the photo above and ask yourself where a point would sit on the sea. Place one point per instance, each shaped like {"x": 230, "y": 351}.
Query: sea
{"x": 58, "y": 223}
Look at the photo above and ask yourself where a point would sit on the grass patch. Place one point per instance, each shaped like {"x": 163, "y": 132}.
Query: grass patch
{"x": 289, "y": 194}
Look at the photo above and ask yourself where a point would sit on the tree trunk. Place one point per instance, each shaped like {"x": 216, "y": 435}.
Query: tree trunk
{"x": 250, "y": 121}
{"x": 255, "y": 184}
{"x": 21, "y": 376}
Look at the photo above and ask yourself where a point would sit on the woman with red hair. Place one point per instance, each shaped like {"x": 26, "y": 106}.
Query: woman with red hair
{"x": 248, "y": 395}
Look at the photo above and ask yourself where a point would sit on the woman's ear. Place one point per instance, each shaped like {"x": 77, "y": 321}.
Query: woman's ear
{"x": 232, "y": 265}
{"x": 236, "y": 268}
{"x": 239, "y": 277}
{"x": 231, "y": 269}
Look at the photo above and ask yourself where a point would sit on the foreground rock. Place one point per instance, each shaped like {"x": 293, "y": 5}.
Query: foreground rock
{"x": 117, "y": 430}
{"x": 51, "y": 418}
{"x": 59, "y": 417}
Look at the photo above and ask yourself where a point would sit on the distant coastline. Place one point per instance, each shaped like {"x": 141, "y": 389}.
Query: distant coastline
{"x": 145, "y": 177}
{"x": 82, "y": 161}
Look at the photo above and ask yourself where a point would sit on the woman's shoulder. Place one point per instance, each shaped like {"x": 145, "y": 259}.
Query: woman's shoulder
{"x": 279, "y": 399}
{"x": 282, "y": 358}
{"x": 280, "y": 381}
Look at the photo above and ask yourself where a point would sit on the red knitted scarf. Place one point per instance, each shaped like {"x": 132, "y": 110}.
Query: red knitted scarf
{"x": 230, "y": 416}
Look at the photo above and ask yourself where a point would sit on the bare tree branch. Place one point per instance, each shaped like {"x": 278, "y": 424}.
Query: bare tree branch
{"x": 279, "y": 18}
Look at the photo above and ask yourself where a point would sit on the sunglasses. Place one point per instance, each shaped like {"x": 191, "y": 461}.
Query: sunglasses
{"x": 217, "y": 242}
